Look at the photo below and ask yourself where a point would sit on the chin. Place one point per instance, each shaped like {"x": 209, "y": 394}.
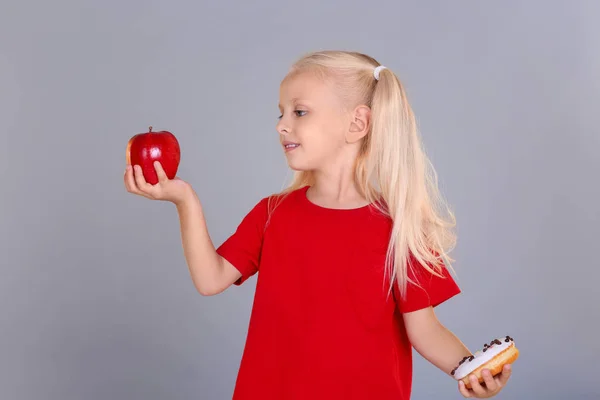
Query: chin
{"x": 295, "y": 164}
{"x": 300, "y": 164}
{"x": 298, "y": 168}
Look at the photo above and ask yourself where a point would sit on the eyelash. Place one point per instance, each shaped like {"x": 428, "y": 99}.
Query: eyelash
{"x": 296, "y": 111}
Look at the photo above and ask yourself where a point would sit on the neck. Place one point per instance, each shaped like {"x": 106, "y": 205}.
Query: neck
{"x": 335, "y": 186}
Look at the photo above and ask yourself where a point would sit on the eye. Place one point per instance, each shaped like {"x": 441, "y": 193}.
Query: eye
{"x": 299, "y": 113}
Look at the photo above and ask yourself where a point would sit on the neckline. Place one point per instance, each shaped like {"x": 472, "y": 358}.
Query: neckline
{"x": 328, "y": 209}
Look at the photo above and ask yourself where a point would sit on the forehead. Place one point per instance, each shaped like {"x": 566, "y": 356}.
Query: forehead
{"x": 306, "y": 86}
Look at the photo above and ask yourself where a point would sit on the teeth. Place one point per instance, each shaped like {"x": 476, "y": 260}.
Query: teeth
{"x": 288, "y": 146}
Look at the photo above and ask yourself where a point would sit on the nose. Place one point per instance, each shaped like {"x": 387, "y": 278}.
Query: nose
{"x": 282, "y": 127}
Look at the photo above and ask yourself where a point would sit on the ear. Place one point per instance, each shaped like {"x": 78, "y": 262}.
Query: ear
{"x": 359, "y": 124}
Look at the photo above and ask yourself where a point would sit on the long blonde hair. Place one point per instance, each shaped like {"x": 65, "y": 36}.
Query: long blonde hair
{"x": 392, "y": 169}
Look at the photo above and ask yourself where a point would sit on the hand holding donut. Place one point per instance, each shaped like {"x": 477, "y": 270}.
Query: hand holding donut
{"x": 486, "y": 372}
{"x": 491, "y": 384}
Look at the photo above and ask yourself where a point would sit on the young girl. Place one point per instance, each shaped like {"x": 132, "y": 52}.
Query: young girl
{"x": 351, "y": 258}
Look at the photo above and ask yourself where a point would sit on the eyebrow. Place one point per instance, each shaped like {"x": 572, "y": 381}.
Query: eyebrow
{"x": 294, "y": 100}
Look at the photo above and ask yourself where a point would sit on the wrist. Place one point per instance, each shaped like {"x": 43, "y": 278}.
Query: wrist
{"x": 187, "y": 197}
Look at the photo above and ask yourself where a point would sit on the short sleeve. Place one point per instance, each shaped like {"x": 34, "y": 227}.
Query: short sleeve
{"x": 243, "y": 248}
{"x": 431, "y": 290}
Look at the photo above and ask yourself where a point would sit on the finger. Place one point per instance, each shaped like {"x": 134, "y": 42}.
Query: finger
{"x": 126, "y": 178}
{"x": 463, "y": 389}
{"x": 160, "y": 172}
{"x": 145, "y": 189}
{"x": 476, "y": 386}
{"x": 506, "y": 372}
{"x": 490, "y": 384}
{"x": 140, "y": 181}
{"x": 130, "y": 182}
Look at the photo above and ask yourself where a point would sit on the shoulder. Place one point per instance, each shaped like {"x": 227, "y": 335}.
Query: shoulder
{"x": 278, "y": 203}
{"x": 286, "y": 198}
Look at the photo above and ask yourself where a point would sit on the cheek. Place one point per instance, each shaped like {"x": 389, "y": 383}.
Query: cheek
{"x": 334, "y": 136}
{"x": 321, "y": 138}
{"x": 325, "y": 142}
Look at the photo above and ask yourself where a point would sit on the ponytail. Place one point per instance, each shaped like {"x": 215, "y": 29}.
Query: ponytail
{"x": 407, "y": 184}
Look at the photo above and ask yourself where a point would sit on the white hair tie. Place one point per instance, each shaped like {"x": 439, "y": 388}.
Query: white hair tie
{"x": 377, "y": 71}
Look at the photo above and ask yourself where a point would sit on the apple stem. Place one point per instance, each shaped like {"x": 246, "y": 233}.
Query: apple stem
{"x": 150, "y": 129}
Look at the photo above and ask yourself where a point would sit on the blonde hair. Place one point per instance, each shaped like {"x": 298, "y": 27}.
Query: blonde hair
{"x": 392, "y": 170}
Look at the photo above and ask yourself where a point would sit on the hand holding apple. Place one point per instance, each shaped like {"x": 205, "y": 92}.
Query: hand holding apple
{"x": 152, "y": 161}
{"x": 174, "y": 190}
{"x": 144, "y": 149}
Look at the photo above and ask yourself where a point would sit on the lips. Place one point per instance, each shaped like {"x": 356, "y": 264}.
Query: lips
{"x": 290, "y": 145}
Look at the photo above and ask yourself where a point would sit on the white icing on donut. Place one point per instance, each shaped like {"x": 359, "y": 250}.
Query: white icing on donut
{"x": 481, "y": 357}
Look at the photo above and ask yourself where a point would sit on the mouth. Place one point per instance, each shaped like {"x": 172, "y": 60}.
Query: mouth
{"x": 289, "y": 146}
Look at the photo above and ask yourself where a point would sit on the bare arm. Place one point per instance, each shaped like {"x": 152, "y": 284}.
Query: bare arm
{"x": 211, "y": 273}
{"x": 434, "y": 341}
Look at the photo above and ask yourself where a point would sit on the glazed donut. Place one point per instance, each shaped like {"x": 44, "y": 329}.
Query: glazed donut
{"x": 493, "y": 356}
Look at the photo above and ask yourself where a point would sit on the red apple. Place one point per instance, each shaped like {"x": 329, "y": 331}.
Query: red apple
{"x": 145, "y": 148}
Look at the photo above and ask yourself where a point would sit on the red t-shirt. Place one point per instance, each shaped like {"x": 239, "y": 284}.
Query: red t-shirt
{"x": 322, "y": 325}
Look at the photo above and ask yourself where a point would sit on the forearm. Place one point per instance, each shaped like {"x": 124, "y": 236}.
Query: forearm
{"x": 204, "y": 264}
{"x": 437, "y": 344}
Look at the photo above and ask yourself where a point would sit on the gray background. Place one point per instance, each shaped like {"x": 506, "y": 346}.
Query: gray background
{"x": 96, "y": 301}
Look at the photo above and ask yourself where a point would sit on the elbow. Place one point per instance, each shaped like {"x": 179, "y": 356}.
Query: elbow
{"x": 206, "y": 287}
{"x": 208, "y": 290}
{"x": 212, "y": 282}
{"x": 204, "y": 291}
